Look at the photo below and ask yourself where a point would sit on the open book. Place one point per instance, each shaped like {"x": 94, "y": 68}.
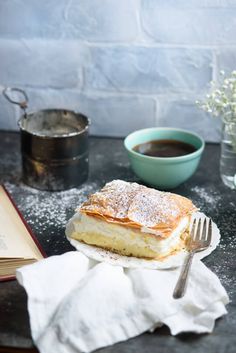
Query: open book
{"x": 18, "y": 246}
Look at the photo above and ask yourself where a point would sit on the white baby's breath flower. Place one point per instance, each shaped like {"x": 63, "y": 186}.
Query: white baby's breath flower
{"x": 221, "y": 100}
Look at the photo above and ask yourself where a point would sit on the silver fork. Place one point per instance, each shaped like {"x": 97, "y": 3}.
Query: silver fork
{"x": 200, "y": 239}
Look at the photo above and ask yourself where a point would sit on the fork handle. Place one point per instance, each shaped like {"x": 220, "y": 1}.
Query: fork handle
{"x": 181, "y": 284}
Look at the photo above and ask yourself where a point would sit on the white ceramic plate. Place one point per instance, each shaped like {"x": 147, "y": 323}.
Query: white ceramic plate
{"x": 172, "y": 261}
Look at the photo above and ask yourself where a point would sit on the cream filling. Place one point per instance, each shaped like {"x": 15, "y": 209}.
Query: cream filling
{"x": 86, "y": 224}
{"x": 152, "y": 231}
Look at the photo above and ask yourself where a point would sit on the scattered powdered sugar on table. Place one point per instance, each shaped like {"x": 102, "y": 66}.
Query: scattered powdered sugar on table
{"x": 208, "y": 196}
{"x": 210, "y": 199}
{"x": 43, "y": 209}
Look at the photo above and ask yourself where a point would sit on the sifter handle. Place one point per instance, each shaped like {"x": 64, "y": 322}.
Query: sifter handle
{"x": 23, "y": 104}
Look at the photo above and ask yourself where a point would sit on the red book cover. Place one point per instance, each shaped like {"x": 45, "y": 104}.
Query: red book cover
{"x": 17, "y": 241}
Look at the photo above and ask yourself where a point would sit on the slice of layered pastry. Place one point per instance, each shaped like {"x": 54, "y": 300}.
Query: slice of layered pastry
{"x": 134, "y": 220}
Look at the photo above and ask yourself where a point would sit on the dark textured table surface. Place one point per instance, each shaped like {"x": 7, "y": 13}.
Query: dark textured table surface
{"x": 48, "y": 212}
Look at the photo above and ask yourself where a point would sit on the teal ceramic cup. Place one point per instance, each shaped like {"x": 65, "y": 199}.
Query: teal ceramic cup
{"x": 164, "y": 172}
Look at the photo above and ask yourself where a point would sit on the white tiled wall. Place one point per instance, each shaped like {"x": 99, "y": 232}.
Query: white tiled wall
{"x": 127, "y": 64}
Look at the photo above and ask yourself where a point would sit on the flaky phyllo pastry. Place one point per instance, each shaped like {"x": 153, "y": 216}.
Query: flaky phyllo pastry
{"x": 134, "y": 220}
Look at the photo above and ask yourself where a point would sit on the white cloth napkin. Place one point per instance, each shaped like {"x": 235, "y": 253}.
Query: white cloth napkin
{"x": 78, "y": 305}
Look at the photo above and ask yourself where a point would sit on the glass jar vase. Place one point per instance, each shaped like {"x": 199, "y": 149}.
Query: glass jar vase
{"x": 228, "y": 154}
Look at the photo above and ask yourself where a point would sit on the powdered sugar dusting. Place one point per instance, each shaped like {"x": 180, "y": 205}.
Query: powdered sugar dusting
{"x": 137, "y": 203}
{"x": 152, "y": 207}
{"x": 114, "y": 199}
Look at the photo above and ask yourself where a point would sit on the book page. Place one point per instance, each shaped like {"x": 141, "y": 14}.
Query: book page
{"x": 15, "y": 240}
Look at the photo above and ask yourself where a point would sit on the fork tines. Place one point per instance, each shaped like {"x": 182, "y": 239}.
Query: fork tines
{"x": 201, "y": 232}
